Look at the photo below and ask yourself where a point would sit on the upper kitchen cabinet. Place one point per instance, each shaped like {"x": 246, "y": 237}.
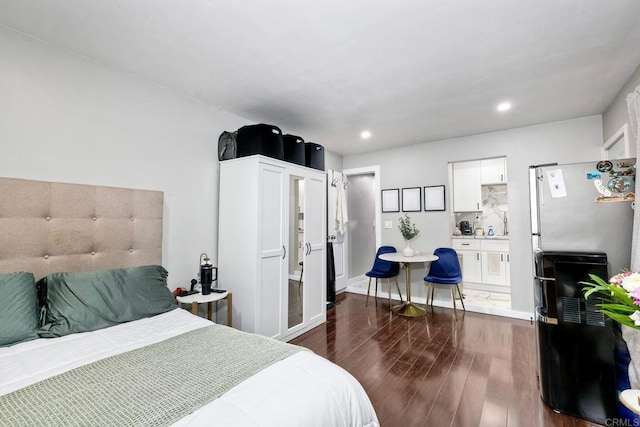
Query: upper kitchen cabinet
{"x": 470, "y": 176}
{"x": 467, "y": 195}
{"x": 493, "y": 171}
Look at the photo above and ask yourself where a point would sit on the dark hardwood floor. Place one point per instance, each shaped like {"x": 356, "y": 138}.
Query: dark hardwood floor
{"x": 435, "y": 371}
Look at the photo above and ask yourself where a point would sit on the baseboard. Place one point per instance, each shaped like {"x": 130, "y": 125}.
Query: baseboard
{"x": 514, "y": 314}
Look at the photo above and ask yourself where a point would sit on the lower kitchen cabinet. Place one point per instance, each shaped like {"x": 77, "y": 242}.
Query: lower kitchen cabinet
{"x": 485, "y": 263}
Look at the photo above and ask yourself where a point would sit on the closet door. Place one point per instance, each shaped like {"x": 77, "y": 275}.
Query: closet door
{"x": 315, "y": 296}
{"x": 272, "y": 250}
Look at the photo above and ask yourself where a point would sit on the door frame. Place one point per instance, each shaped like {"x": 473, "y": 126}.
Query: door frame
{"x": 366, "y": 170}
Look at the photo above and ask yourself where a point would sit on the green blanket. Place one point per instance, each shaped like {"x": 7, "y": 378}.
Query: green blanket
{"x": 154, "y": 386}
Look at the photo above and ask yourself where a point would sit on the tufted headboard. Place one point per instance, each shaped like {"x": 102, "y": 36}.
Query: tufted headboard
{"x": 48, "y": 227}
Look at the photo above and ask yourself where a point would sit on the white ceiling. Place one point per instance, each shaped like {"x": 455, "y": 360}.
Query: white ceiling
{"x": 409, "y": 71}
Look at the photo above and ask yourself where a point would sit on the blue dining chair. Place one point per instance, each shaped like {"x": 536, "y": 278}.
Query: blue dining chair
{"x": 383, "y": 270}
{"x": 445, "y": 271}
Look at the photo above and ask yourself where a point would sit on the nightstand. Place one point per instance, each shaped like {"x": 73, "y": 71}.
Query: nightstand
{"x": 198, "y": 298}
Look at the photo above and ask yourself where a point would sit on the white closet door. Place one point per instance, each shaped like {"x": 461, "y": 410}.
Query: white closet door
{"x": 272, "y": 249}
{"x": 315, "y": 262}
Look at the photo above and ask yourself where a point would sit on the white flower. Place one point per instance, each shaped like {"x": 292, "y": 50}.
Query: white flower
{"x": 631, "y": 282}
{"x": 636, "y": 318}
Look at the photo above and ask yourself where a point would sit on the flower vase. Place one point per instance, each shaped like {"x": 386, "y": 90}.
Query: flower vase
{"x": 408, "y": 250}
{"x": 632, "y": 337}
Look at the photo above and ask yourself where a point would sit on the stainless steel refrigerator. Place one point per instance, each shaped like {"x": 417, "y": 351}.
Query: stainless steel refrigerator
{"x": 581, "y": 220}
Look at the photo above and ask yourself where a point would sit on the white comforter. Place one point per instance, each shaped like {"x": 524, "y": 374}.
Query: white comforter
{"x": 301, "y": 390}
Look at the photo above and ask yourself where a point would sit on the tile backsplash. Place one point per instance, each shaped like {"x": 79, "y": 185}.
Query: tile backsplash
{"x": 494, "y": 211}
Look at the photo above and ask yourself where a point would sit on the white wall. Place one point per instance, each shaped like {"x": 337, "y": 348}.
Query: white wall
{"x": 426, "y": 164}
{"x": 332, "y": 161}
{"x": 617, "y": 113}
{"x": 64, "y": 118}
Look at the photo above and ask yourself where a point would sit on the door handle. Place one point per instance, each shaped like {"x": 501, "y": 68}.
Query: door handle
{"x": 284, "y": 252}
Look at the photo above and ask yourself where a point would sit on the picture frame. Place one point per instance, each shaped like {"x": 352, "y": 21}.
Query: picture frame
{"x": 434, "y": 199}
{"x": 391, "y": 200}
{"x": 411, "y": 199}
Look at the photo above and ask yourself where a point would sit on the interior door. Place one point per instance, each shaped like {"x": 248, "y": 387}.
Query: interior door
{"x": 339, "y": 254}
{"x": 362, "y": 239}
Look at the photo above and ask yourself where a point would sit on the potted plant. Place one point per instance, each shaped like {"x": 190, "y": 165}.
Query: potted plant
{"x": 620, "y": 301}
{"x": 409, "y": 231}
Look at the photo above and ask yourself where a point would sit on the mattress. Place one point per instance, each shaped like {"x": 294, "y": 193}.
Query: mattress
{"x": 301, "y": 390}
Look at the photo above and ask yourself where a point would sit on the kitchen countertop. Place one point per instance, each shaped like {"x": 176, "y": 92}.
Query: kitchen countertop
{"x": 481, "y": 237}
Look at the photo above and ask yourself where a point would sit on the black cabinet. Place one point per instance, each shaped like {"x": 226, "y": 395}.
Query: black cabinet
{"x": 576, "y": 365}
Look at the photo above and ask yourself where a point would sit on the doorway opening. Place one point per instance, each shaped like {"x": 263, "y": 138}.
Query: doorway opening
{"x": 363, "y": 236}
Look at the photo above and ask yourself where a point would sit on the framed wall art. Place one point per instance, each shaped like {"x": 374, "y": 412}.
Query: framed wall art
{"x": 434, "y": 198}
{"x": 411, "y": 199}
{"x": 391, "y": 200}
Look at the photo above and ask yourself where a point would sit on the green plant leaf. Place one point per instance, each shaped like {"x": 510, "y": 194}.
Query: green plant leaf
{"x": 618, "y": 308}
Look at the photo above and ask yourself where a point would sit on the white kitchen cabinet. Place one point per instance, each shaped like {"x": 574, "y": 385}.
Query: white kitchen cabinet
{"x": 493, "y": 171}
{"x": 469, "y": 252}
{"x": 470, "y": 176}
{"x": 258, "y": 214}
{"x": 494, "y": 262}
{"x": 485, "y": 263}
{"x": 494, "y": 268}
{"x": 467, "y": 195}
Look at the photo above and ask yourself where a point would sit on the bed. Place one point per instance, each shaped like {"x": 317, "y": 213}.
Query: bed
{"x": 100, "y": 341}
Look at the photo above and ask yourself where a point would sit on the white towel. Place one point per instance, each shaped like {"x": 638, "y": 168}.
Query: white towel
{"x": 342, "y": 218}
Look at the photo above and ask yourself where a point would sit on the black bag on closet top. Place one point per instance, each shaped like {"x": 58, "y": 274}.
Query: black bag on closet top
{"x": 227, "y": 145}
{"x": 315, "y": 155}
{"x": 294, "y": 149}
{"x": 260, "y": 139}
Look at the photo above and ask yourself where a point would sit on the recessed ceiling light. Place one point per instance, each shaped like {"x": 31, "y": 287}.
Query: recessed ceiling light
{"x": 365, "y": 134}
{"x": 504, "y": 106}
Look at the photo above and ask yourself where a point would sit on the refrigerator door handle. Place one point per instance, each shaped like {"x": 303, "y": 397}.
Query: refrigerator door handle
{"x": 550, "y": 279}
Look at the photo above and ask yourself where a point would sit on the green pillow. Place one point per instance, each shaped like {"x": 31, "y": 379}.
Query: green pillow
{"x": 86, "y": 301}
{"x": 18, "y": 308}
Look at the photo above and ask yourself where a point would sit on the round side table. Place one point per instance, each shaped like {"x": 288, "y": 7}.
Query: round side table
{"x": 198, "y": 298}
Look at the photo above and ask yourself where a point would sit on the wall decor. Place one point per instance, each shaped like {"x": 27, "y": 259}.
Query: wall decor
{"x": 391, "y": 200}
{"x": 411, "y": 199}
{"x": 434, "y": 198}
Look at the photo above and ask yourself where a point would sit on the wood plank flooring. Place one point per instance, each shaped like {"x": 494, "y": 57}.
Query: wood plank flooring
{"x": 435, "y": 371}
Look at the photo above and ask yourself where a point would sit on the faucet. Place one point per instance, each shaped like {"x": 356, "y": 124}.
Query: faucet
{"x": 505, "y": 221}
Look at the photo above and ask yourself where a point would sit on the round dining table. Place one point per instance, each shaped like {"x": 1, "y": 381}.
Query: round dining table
{"x": 408, "y": 308}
